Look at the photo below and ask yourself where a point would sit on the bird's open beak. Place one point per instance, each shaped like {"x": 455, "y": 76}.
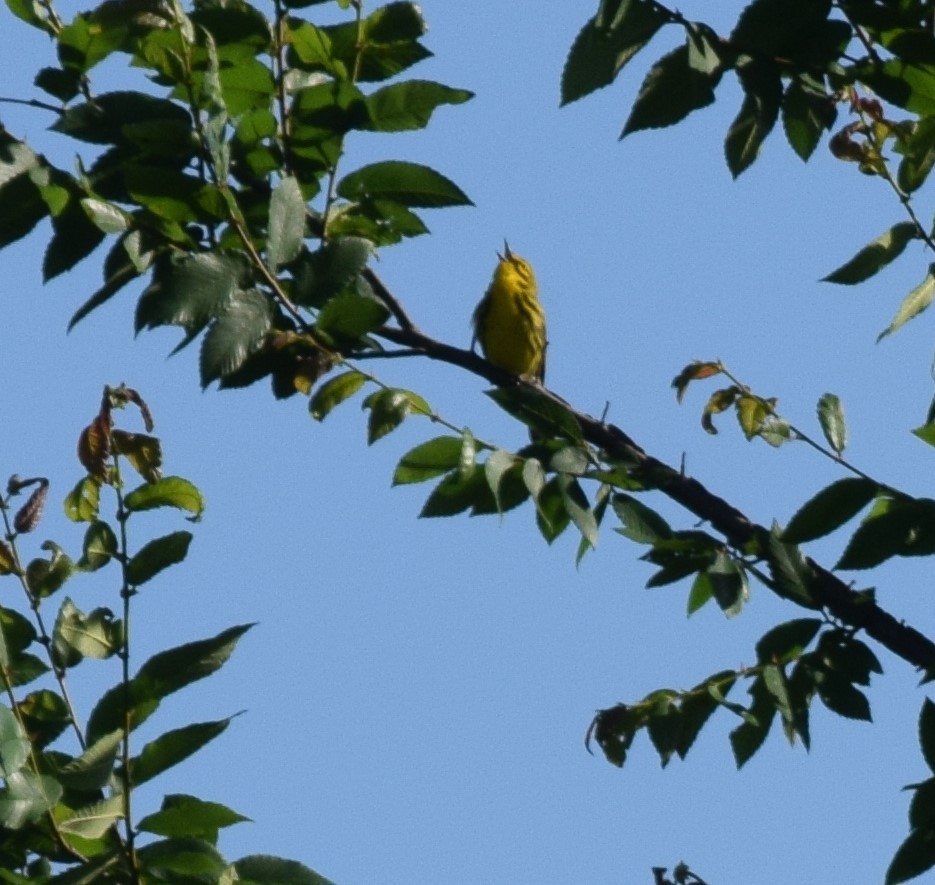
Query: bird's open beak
{"x": 507, "y": 254}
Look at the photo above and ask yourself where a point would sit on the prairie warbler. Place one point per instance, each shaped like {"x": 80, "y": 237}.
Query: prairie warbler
{"x": 509, "y": 322}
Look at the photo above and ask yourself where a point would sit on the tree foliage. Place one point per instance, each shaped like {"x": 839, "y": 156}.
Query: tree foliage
{"x": 222, "y": 190}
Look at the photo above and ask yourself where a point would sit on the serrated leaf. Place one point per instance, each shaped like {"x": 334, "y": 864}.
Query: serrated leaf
{"x": 334, "y": 392}
{"x": 537, "y": 411}
{"x": 757, "y": 116}
{"x": 171, "y": 748}
{"x": 841, "y": 697}
{"x": 157, "y": 555}
{"x": 640, "y": 523}
{"x": 785, "y": 642}
{"x": 891, "y": 529}
{"x": 458, "y": 491}
{"x": 874, "y": 256}
{"x": 410, "y": 104}
{"x": 170, "y": 491}
{"x": 428, "y": 460}
{"x": 183, "y": 815}
{"x": 26, "y": 797}
{"x": 915, "y": 856}
{"x": 77, "y": 635}
{"x": 348, "y": 317}
{"x": 389, "y": 408}
{"x": 498, "y": 463}
{"x": 410, "y": 184}
{"x": 235, "y": 335}
{"x": 286, "y": 230}
{"x": 604, "y": 46}
{"x": 807, "y": 113}
{"x": 913, "y": 304}
{"x": 829, "y": 509}
{"x": 259, "y": 869}
{"x": 927, "y": 733}
{"x": 160, "y": 676}
{"x": 93, "y": 769}
{"x": 14, "y": 745}
{"x": 833, "y": 424}
{"x": 791, "y": 573}
{"x": 670, "y": 92}
{"x": 92, "y": 821}
{"x": 728, "y": 584}
{"x": 578, "y": 508}
{"x": 180, "y": 858}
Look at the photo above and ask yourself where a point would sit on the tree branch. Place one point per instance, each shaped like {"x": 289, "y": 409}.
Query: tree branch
{"x": 828, "y": 590}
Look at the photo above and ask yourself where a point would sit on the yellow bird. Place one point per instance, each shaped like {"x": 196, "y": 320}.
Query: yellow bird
{"x": 509, "y": 322}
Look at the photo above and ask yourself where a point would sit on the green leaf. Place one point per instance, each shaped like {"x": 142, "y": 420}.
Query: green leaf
{"x": 118, "y": 118}
{"x": 640, "y": 523}
{"x": 829, "y": 509}
{"x": 77, "y": 635}
{"x": 321, "y": 275}
{"x": 157, "y": 555}
{"x": 875, "y": 256}
{"x": 790, "y": 571}
{"x": 408, "y": 183}
{"x": 93, "y": 821}
{"x": 605, "y": 44}
{"x": 182, "y": 815}
{"x": 807, "y": 113}
{"x": 498, "y": 464}
{"x": 927, "y": 733}
{"x": 74, "y": 238}
{"x": 670, "y": 92}
{"x": 45, "y": 716}
{"x": 163, "y": 674}
{"x": 428, "y": 460}
{"x": 21, "y": 207}
{"x": 26, "y": 797}
{"x": 786, "y": 642}
{"x": 93, "y": 769}
{"x": 190, "y": 290}
{"x": 286, "y": 223}
{"x": 915, "y": 856}
{"x": 578, "y": 508}
{"x": 896, "y": 527}
{"x": 728, "y": 584}
{"x": 170, "y": 491}
{"x": 749, "y": 736}
{"x": 758, "y": 114}
{"x": 235, "y": 335}
{"x": 699, "y": 704}
{"x": 171, "y": 748}
{"x": 348, "y": 317}
{"x": 833, "y": 425}
{"x": 919, "y": 156}
{"x": 261, "y": 869}
{"x": 537, "y": 411}
{"x": 459, "y": 491}
{"x": 841, "y": 697}
{"x": 913, "y": 304}
{"x": 334, "y": 392}
{"x": 46, "y": 576}
{"x": 14, "y": 745}
{"x": 389, "y": 408}
{"x": 409, "y": 105}
{"x": 171, "y": 859}
{"x": 100, "y": 546}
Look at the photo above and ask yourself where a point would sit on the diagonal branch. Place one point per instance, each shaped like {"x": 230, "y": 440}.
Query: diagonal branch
{"x": 828, "y": 591}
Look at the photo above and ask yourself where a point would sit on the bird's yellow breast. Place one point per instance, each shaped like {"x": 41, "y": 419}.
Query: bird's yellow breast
{"x": 509, "y": 322}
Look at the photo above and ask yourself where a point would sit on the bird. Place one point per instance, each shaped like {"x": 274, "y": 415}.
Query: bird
{"x": 509, "y": 322}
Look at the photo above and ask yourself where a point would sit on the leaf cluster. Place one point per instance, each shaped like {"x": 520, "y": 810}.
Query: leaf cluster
{"x": 67, "y": 799}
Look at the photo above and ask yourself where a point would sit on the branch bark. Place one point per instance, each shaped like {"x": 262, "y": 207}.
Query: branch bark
{"x": 828, "y": 591}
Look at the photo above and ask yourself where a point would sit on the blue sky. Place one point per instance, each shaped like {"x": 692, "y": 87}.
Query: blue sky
{"x": 416, "y": 693}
